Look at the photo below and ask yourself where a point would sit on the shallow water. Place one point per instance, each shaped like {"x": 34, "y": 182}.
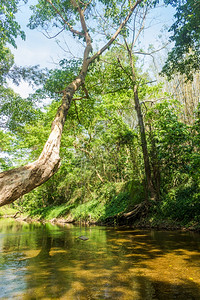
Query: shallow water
{"x": 49, "y": 262}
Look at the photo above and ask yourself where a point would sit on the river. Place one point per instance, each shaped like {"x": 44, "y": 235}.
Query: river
{"x": 46, "y": 261}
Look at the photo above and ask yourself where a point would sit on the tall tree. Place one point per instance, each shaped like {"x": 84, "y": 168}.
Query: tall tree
{"x": 145, "y": 152}
{"x": 15, "y": 183}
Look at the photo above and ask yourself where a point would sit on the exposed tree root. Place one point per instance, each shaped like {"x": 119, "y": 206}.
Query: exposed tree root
{"x": 139, "y": 210}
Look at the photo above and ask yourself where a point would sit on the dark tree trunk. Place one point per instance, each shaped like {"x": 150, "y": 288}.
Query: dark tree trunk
{"x": 149, "y": 183}
{"x": 155, "y": 165}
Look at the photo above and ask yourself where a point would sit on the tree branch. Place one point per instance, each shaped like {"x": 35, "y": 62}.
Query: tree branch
{"x": 52, "y": 37}
{"x": 115, "y": 35}
{"x": 74, "y": 31}
{"x": 141, "y": 28}
{"x": 80, "y": 98}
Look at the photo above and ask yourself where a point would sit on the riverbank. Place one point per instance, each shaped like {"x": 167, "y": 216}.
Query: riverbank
{"x": 147, "y": 222}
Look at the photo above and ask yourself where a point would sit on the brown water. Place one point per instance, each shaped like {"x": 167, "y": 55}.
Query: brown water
{"x": 49, "y": 262}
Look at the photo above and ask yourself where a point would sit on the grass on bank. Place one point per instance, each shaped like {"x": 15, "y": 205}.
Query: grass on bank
{"x": 179, "y": 208}
{"x": 7, "y": 210}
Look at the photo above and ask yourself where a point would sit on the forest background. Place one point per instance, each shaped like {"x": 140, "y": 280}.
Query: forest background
{"x": 130, "y": 145}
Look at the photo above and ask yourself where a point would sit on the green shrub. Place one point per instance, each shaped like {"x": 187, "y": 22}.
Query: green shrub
{"x": 182, "y": 204}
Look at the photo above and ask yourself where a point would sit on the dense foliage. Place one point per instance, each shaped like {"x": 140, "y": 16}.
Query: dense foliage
{"x": 185, "y": 56}
{"x": 102, "y": 171}
{"x": 102, "y": 174}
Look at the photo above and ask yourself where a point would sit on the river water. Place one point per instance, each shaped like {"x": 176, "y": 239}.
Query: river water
{"x": 46, "y": 261}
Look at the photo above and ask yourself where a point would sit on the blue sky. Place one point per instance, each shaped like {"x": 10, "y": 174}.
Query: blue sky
{"x": 37, "y": 49}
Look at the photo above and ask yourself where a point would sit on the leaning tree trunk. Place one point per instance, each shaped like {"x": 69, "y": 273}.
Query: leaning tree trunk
{"x": 19, "y": 181}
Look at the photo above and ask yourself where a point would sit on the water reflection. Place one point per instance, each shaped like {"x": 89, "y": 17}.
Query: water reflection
{"x": 50, "y": 262}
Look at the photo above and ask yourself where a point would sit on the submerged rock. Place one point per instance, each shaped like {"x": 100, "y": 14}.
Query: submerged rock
{"x": 84, "y": 238}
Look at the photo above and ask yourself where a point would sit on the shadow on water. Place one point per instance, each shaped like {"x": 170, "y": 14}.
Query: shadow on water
{"x": 158, "y": 289}
{"x": 49, "y": 262}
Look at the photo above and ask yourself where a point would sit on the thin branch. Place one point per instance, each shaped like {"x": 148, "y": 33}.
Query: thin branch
{"x": 86, "y": 91}
{"x": 151, "y": 53}
{"x": 118, "y": 59}
{"x": 134, "y": 26}
{"x": 120, "y": 44}
{"x": 65, "y": 21}
{"x": 103, "y": 22}
{"x": 155, "y": 100}
{"x": 99, "y": 176}
{"x": 115, "y": 35}
{"x": 152, "y": 81}
{"x": 86, "y": 5}
{"x": 107, "y": 62}
{"x": 68, "y": 49}
{"x": 133, "y": 77}
{"x": 79, "y": 98}
{"x": 52, "y": 37}
{"x": 140, "y": 30}
{"x": 155, "y": 51}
